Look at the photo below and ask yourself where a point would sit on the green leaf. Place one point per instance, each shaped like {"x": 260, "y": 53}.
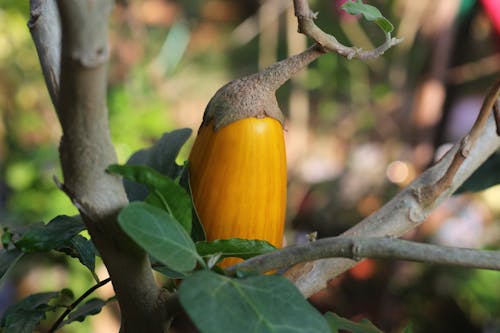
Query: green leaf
{"x": 6, "y": 238}
{"x": 86, "y": 251}
{"x": 197, "y": 230}
{"x": 263, "y": 304}
{"x": 83, "y": 249}
{"x": 8, "y": 259}
{"x": 160, "y": 235}
{"x": 89, "y": 308}
{"x": 369, "y": 12}
{"x": 25, "y": 316}
{"x": 164, "y": 192}
{"x": 45, "y": 237}
{"x": 338, "y": 323}
{"x": 234, "y": 247}
{"x": 169, "y": 272}
{"x": 161, "y": 157}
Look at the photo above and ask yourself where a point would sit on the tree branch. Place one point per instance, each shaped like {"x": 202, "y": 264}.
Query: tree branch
{"x": 45, "y": 28}
{"x": 86, "y": 150}
{"x": 305, "y": 17}
{"x": 411, "y": 206}
{"x": 376, "y": 247}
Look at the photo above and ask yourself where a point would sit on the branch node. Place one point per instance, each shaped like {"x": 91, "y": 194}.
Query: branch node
{"x": 425, "y": 195}
{"x": 311, "y": 237}
{"x": 466, "y": 146}
{"x": 416, "y": 215}
{"x": 356, "y": 251}
{"x": 35, "y": 13}
{"x": 71, "y": 196}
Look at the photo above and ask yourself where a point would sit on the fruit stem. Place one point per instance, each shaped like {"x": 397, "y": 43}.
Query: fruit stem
{"x": 278, "y": 73}
{"x": 254, "y": 95}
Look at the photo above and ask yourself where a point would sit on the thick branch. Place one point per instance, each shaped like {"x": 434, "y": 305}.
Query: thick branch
{"x": 45, "y": 29}
{"x": 306, "y": 16}
{"x": 404, "y": 212}
{"x": 86, "y": 150}
{"x": 377, "y": 248}
{"x": 430, "y": 193}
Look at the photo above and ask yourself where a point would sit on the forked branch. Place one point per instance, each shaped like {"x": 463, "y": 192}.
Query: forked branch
{"x": 306, "y": 16}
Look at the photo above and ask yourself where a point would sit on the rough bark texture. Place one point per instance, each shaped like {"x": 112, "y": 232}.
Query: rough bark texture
{"x": 86, "y": 150}
{"x": 254, "y": 95}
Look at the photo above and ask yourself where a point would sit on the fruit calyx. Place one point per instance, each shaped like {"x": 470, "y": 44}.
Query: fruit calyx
{"x": 254, "y": 95}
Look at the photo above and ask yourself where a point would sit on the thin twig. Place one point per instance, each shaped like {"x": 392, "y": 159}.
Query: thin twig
{"x": 73, "y": 305}
{"x": 376, "y": 247}
{"x": 305, "y": 17}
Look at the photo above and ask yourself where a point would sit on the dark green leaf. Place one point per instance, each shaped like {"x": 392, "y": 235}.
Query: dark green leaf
{"x": 370, "y": 13}
{"x": 24, "y": 316}
{"x": 408, "y": 329}
{"x": 89, "y": 308}
{"x": 164, "y": 192}
{"x": 234, "y": 247}
{"x": 161, "y": 157}
{"x": 487, "y": 175}
{"x": 169, "y": 272}
{"x": 261, "y": 304}
{"x": 8, "y": 258}
{"x": 338, "y": 323}
{"x": 197, "y": 231}
{"x": 85, "y": 251}
{"x": 6, "y": 238}
{"x": 160, "y": 235}
{"x": 52, "y": 235}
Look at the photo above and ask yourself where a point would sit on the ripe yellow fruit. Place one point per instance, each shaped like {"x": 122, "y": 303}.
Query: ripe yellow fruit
{"x": 238, "y": 179}
{"x": 237, "y": 164}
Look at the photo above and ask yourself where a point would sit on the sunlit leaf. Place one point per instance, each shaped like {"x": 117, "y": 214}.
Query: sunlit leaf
{"x": 234, "y": 247}
{"x": 161, "y": 157}
{"x": 160, "y": 235}
{"x": 370, "y": 13}
{"x": 163, "y": 191}
{"x": 264, "y": 304}
{"x": 338, "y": 324}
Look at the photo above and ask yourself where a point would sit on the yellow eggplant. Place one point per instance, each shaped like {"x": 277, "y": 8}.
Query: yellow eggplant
{"x": 237, "y": 165}
{"x": 238, "y": 180}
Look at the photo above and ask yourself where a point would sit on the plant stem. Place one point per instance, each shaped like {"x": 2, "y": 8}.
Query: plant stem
{"x": 73, "y": 305}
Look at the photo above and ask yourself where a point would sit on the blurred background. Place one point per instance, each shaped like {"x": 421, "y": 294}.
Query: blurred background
{"x": 357, "y": 132}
